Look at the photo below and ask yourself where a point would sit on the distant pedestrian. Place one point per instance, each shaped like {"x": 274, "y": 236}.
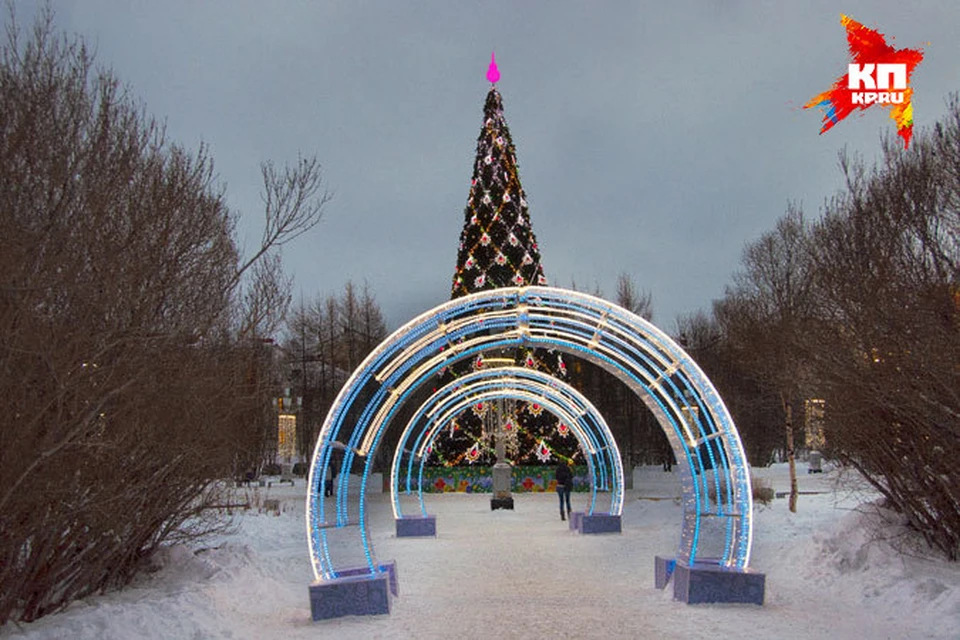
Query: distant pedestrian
{"x": 564, "y": 486}
{"x": 667, "y": 457}
{"x": 328, "y": 480}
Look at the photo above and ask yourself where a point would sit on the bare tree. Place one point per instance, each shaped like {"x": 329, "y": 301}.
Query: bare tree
{"x": 886, "y": 343}
{"x": 131, "y": 380}
{"x": 372, "y": 328}
{"x": 266, "y": 299}
{"x": 294, "y": 199}
{"x": 767, "y": 309}
{"x": 326, "y": 340}
{"x": 632, "y": 299}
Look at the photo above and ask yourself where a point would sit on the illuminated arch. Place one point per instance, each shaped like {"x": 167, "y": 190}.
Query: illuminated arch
{"x": 715, "y": 483}
{"x": 565, "y": 402}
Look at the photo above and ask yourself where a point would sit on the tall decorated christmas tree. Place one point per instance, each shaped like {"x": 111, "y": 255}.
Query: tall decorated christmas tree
{"x": 499, "y": 249}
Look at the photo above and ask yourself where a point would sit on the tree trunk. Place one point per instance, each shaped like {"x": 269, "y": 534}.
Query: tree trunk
{"x": 791, "y": 457}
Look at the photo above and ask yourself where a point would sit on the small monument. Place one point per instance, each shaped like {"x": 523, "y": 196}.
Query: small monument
{"x": 502, "y": 473}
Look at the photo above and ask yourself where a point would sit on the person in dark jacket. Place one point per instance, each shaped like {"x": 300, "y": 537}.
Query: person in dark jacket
{"x": 328, "y": 480}
{"x": 564, "y": 486}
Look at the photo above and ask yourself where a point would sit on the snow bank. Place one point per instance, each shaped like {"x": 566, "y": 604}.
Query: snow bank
{"x": 525, "y": 574}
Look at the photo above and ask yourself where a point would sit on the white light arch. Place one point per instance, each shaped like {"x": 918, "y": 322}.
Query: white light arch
{"x": 715, "y": 480}
{"x": 565, "y": 402}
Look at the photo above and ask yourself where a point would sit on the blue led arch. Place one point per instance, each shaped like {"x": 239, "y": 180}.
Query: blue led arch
{"x": 565, "y": 402}
{"x": 605, "y": 474}
{"x": 715, "y": 482}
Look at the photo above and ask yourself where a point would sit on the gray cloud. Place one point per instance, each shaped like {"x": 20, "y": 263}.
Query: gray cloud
{"x": 653, "y": 138}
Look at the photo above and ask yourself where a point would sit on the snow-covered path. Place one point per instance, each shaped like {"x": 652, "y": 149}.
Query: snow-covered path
{"x": 524, "y": 574}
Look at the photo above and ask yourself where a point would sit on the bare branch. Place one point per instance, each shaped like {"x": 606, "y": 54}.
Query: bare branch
{"x": 293, "y": 200}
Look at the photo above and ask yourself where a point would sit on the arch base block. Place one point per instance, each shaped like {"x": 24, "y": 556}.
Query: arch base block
{"x": 704, "y": 582}
{"x": 598, "y": 523}
{"x": 663, "y": 571}
{"x": 355, "y": 592}
{"x": 417, "y": 526}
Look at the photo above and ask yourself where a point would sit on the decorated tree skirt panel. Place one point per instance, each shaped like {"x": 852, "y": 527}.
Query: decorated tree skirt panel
{"x": 479, "y": 479}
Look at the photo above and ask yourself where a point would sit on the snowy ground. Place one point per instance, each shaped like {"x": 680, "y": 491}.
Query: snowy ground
{"x": 524, "y": 574}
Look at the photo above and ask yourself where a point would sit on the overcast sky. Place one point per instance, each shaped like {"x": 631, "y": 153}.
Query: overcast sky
{"x": 654, "y": 138}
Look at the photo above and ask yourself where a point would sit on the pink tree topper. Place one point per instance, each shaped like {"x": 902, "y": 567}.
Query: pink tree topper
{"x": 493, "y": 74}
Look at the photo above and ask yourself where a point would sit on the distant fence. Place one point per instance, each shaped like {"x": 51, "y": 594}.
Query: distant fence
{"x": 478, "y": 479}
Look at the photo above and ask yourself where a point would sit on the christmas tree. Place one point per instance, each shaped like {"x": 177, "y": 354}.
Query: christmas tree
{"x": 499, "y": 249}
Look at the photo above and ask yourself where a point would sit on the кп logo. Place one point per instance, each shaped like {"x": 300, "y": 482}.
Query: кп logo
{"x": 860, "y": 76}
{"x": 876, "y": 69}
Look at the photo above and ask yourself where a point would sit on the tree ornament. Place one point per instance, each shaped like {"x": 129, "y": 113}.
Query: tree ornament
{"x": 543, "y": 451}
{"x": 473, "y": 453}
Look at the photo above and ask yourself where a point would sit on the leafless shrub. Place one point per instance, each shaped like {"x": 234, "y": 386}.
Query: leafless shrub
{"x": 131, "y": 379}
{"x": 762, "y": 491}
{"x": 887, "y": 340}
{"x": 862, "y": 309}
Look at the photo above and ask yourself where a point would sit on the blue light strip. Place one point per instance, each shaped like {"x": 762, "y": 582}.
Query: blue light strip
{"x": 512, "y": 377}
{"x": 581, "y": 426}
{"x": 463, "y": 403}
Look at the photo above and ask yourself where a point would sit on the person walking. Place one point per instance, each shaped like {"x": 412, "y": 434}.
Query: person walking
{"x": 328, "y": 477}
{"x": 328, "y": 481}
{"x": 564, "y": 486}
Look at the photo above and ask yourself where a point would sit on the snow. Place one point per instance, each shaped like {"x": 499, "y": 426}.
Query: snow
{"x": 524, "y": 574}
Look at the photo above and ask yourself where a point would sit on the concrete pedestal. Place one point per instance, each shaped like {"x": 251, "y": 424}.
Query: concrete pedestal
{"x": 390, "y": 568}
{"x": 662, "y": 571}
{"x": 502, "y": 484}
{"x": 351, "y": 595}
{"x": 599, "y": 523}
{"x": 574, "y": 518}
{"x": 416, "y": 526}
{"x": 702, "y": 583}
